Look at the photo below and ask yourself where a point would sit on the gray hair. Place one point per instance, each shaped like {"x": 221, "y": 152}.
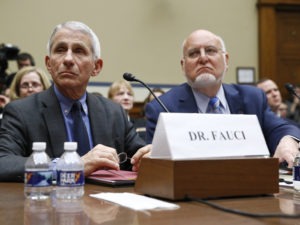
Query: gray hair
{"x": 78, "y": 26}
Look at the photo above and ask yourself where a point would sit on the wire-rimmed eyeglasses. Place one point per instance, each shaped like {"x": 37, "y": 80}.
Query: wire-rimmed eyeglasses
{"x": 123, "y": 157}
{"x": 206, "y": 51}
{"x": 33, "y": 85}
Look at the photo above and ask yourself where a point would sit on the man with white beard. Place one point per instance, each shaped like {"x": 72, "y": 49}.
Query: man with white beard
{"x": 205, "y": 63}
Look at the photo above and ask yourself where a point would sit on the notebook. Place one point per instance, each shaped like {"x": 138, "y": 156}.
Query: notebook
{"x": 112, "y": 177}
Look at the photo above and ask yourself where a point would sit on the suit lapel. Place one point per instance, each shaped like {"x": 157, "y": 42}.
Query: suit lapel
{"x": 187, "y": 102}
{"x": 54, "y": 121}
{"x": 97, "y": 117}
{"x": 234, "y": 99}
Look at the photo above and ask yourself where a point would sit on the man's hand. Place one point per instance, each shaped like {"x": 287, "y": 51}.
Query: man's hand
{"x": 100, "y": 157}
{"x": 141, "y": 153}
{"x": 287, "y": 150}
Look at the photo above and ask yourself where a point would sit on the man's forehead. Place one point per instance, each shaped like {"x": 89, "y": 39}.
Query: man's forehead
{"x": 268, "y": 85}
{"x": 202, "y": 39}
{"x": 65, "y": 35}
{"x": 68, "y": 37}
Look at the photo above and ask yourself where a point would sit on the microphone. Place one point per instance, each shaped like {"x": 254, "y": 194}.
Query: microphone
{"x": 290, "y": 88}
{"x": 129, "y": 77}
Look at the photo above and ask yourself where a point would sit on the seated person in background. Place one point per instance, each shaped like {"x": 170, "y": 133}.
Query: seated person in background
{"x": 29, "y": 80}
{"x": 204, "y": 63}
{"x": 272, "y": 92}
{"x": 122, "y": 93}
{"x": 157, "y": 91}
{"x": 274, "y": 98}
{"x": 283, "y": 110}
{"x": 294, "y": 106}
{"x": 49, "y": 116}
{"x": 23, "y": 59}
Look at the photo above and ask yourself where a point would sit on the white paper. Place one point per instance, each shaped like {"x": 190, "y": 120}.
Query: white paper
{"x": 196, "y": 135}
{"x": 134, "y": 201}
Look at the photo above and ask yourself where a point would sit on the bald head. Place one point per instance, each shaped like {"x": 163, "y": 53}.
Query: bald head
{"x": 204, "y": 61}
{"x": 197, "y": 34}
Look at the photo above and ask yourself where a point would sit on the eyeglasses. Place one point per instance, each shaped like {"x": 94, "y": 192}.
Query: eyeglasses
{"x": 33, "y": 85}
{"x": 208, "y": 51}
{"x": 123, "y": 157}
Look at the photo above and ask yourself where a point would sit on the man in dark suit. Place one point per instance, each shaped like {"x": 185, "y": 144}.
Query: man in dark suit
{"x": 204, "y": 63}
{"x": 73, "y": 57}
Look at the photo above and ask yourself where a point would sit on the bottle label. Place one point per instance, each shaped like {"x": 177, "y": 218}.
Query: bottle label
{"x": 296, "y": 173}
{"x": 70, "y": 178}
{"x": 38, "y": 178}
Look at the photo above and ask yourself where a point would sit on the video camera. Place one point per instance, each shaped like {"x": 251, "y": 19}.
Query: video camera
{"x": 7, "y": 52}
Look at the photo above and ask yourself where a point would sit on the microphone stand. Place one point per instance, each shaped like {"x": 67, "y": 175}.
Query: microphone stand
{"x": 130, "y": 77}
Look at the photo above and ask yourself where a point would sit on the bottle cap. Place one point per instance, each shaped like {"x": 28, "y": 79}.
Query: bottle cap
{"x": 38, "y": 146}
{"x": 70, "y": 146}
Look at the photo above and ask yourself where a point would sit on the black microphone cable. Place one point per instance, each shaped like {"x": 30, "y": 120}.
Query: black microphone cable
{"x": 243, "y": 213}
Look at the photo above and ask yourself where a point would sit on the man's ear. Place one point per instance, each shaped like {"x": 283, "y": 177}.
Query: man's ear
{"x": 47, "y": 63}
{"x": 182, "y": 64}
{"x": 226, "y": 61}
{"x": 98, "y": 67}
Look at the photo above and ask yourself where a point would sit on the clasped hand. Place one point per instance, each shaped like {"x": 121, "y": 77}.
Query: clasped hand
{"x": 103, "y": 157}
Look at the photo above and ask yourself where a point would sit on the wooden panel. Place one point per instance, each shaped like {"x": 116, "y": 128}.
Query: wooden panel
{"x": 207, "y": 178}
{"x": 267, "y": 42}
{"x": 288, "y": 36}
{"x": 279, "y": 41}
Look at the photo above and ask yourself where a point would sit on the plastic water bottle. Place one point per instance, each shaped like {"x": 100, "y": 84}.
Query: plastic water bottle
{"x": 38, "y": 175}
{"x": 296, "y": 173}
{"x": 70, "y": 173}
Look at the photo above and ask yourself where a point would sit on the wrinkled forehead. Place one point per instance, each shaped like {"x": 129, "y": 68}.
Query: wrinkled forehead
{"x": 201, "y": 38}
{"x": 68, "y": 33}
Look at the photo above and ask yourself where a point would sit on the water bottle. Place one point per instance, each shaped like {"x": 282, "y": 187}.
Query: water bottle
{"x": 296, "y": 173}
{"x": 70, "y": 173}
{"x": 38, "y": 175}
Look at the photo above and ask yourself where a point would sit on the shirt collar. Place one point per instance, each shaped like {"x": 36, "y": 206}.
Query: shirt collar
{"x": 202, "y": 100}
{"x": 67, "y": 103}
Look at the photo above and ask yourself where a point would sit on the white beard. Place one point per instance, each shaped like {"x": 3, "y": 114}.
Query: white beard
{"x": 203, "y": 80}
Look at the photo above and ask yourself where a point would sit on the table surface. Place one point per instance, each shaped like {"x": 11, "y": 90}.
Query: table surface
{"x": 15, "y": 209}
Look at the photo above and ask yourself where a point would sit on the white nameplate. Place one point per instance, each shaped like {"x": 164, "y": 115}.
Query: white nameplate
{"x": 196, "y": 135}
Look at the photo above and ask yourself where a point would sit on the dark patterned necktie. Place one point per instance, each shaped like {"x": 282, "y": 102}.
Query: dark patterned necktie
{"x": 214, "y": 106}
{"x": 79, "y": 130}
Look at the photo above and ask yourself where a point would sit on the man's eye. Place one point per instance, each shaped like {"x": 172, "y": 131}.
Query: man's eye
{"x": 60, "y": 49}
{"x": 194, "y": 54}
{"x": 79, "y": 51}
{"x": 211, "y": 50}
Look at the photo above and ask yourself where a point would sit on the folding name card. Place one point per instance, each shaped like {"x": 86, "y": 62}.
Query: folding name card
{"x": 195, "y": 136}
{"x": 207, "y": 155}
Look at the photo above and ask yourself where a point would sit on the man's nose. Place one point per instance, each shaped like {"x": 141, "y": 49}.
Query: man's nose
{"x": 203, "y": 56}
{"x": 69, "y": 56}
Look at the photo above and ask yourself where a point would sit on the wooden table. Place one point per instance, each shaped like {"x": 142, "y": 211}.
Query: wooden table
{"x": 14, "y": 209}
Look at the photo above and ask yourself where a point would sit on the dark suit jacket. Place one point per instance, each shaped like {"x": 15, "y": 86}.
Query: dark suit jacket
{"x": 39, "y": 118}
{"x": 242, "y": 99}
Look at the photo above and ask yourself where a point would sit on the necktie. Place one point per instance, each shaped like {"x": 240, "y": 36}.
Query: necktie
{"x": 79, "y": 130}
{"x": 214, "y": 106}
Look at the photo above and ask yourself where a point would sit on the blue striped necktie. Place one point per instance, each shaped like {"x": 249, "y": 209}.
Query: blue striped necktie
{"x": 79, "y": 130}
{"x": 214, "y": 106}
